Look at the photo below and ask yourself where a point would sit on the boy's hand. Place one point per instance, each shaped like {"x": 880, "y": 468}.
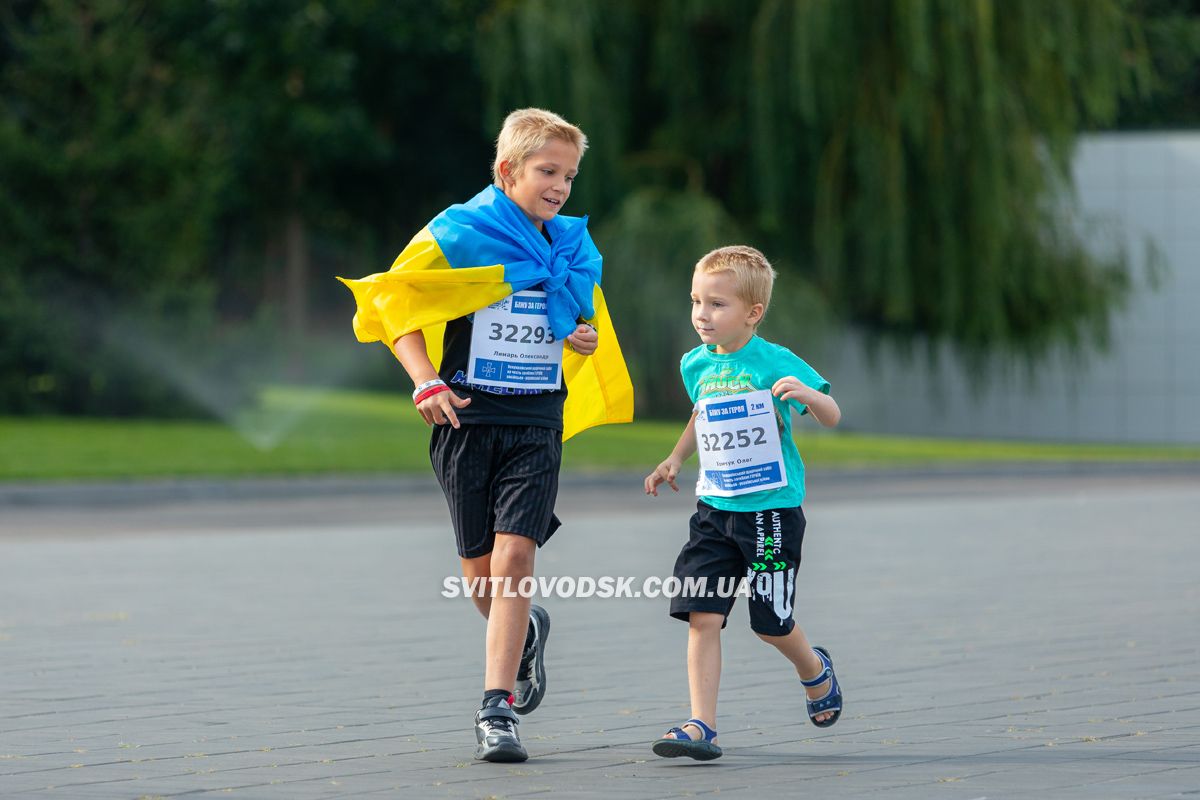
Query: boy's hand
{"x": 439, "y": 409}
{"x": 663, "y": 473}
{"x": 790, "y": 388}
{"x": 584, "y": 340}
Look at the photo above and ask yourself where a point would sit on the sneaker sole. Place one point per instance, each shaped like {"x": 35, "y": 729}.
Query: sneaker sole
{"x": 504, "y": 753}
{"x": 539, "y": 665}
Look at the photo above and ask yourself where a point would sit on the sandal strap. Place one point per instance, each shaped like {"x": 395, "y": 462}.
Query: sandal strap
{"x": 709, "y": 733}
{"x": 834, "y": 689}
{"x": 823, "y": 705}
{"x": 824, "y": 675}
{"x": 831, "y": 701}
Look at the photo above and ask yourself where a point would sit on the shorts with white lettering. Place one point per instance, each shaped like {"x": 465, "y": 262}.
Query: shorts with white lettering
{"x": 762, "y": 546}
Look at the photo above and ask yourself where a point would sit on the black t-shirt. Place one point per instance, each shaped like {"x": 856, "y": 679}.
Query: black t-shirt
{"x": 491, "y": 405}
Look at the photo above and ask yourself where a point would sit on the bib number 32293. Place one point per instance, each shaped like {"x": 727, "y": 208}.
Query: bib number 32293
{"x": 513, "y": 347}
{"x": 738, "y": 442}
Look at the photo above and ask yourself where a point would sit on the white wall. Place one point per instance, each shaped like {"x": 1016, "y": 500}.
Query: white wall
{"x": 1145, "y": 389}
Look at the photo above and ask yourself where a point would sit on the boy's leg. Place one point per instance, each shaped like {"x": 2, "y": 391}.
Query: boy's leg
{"x": 508, "y": 618}
{"x": 479, "y": 568}
{"x": 709, "y": 554}
{"x": 524, "y": 493}
{"x": 704, "y": 669}
{"x": 795, "y": 648}
{"x": 530, "y": 684}
{"x": 466, "y": 461}
{"x": 773, "y": 539}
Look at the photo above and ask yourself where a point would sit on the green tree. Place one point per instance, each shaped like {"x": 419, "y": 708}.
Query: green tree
{"x": 170, "y": 171}
{"x": 336, "y": 114}
{"x": 937, "y": 140}
{"x": 107, "y": 200}
{"x": 906, "y": 160}
{"x": 903, "y": 162}
{"x": 1172, "y": 35}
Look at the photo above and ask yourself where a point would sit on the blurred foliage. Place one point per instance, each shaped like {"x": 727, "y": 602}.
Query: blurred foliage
{"x": 906, "y": 159}
{"x": 109, "y": 188}
{"x": 1172, "y": 37}
{"x": 174, "y": 174}
{"x": 180, "y": 179}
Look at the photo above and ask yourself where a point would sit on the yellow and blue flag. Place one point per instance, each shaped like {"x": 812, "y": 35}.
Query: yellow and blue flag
{"x": 477, "y": 253}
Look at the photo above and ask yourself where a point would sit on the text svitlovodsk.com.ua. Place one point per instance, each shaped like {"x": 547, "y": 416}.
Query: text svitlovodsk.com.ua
{"x": 603, "y": 587}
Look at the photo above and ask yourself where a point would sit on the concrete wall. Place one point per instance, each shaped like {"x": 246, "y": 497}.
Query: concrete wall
{"x": 1145, "y": 389}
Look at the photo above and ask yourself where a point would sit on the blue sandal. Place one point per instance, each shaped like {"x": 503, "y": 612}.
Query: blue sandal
{"x": 832, "y": 701}
{"x": 699, "y": 749}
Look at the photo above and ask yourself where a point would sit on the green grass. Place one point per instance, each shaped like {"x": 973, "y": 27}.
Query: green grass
{"x": 310, "y": 431}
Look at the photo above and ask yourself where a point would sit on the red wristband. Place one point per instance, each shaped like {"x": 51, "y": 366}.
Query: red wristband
{"x": 425, "y": 395}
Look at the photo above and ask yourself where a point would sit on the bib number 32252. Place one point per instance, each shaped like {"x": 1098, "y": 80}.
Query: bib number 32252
{"x": 513, "y": 347}
{"x": 738, "y": 442}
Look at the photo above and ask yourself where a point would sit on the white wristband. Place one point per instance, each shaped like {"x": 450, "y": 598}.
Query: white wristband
{"x": 427, "y": 385}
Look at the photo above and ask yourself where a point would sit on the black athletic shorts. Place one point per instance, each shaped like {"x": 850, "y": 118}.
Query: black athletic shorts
{"x": 497, "y": 478}
{"x": 762, "y": 546}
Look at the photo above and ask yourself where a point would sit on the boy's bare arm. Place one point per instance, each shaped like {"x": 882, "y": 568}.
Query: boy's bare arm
{"x": 823, "y": 407}
{"x": 825, "y": 410}
{"x": 410, "y": 349}
{"x": 438, "y": 409}
{"x": 667, "y": 471}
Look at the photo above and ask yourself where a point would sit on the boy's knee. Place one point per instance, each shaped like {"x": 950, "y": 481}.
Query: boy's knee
{"x": 776, "y": 635}
{"x": 514, "y": 552}
{"x": 706, "y": 621}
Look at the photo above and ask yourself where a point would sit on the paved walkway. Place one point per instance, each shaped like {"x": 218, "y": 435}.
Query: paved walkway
{"x": 997, "y": 637}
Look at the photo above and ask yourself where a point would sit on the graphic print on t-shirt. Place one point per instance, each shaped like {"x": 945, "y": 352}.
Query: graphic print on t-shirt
{"x": 725, "y": 382}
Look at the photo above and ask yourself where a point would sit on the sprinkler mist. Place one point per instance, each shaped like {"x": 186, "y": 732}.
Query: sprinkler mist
{"x": 229, "y": 385}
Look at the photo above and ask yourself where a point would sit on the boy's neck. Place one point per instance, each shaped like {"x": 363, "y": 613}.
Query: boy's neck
{"x": 537, "y": 223}
{"x": 733, "y": 347}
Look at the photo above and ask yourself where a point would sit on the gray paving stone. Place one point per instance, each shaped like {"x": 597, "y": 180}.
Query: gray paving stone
{"x": 997, "y": 636}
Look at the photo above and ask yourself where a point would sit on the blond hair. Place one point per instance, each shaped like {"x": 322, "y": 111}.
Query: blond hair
{"x": 527, "y": 130}
{"x": 753, "y": 275}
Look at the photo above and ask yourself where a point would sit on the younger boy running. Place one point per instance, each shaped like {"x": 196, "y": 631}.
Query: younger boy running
{"x": 748, "y": 521}
{"x": 477, "y": 309}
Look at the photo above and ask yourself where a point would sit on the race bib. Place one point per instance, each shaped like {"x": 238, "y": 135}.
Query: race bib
{"x": 738, "y": 442}
{"x": 512, "y": 346}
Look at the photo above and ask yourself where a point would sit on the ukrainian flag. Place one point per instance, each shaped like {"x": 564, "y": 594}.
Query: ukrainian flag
{"x": 479, "y": 252}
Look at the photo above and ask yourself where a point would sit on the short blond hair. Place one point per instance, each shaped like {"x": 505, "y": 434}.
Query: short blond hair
{"x": 753, "y": 275}
{"x": 527, "y": 130}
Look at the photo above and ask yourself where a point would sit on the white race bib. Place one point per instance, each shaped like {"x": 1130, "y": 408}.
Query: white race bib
{"x": 738, "y": 442}
{"x": 512, "y": 346}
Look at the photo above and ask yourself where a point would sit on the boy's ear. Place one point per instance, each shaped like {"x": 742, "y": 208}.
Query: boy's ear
{"x": 505, "y": 172}
{"x": 756, "y": 313}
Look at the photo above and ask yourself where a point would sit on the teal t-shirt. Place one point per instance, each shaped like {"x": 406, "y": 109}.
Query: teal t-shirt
{"x": 758, "y": 365}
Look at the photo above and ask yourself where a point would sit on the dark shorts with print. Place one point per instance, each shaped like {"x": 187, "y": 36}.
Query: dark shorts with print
{"x": 762, "y": 546}
{"x": 497, "y": 478}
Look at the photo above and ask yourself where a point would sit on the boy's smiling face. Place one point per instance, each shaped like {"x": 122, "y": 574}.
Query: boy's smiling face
{"x": 719, "y": 315}
{"x": 543, "y": 183}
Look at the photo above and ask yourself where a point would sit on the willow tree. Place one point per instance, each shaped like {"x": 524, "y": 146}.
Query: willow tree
{"x": 938, "y": 137}
{"x": 908, "y": 161}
